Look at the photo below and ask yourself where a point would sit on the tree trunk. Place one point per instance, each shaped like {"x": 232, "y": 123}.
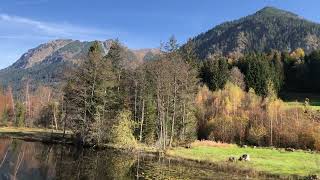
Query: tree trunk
{"x": 159, "y": 116}
{"x": 174, "y": 112}
{"x": 135, "y": 100}
{"x": 184, "y": 120}
{"x": 55, "y": 116}
{"x": 142, "y": 120}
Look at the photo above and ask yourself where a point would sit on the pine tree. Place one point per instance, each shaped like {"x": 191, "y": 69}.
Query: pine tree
{"x": 215, "y": 73}
{"x": 90, "y": 98}
{"x": 149, "y": 132}
{"x": 20, "y": 115}
{"x": 5, "y": 116}
{"x": 257, "y": 73}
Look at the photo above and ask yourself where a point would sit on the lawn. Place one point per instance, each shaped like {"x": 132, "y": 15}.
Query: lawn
{"x": 298, "y": 99}
{"x": 277, "y": 162}
{"x": 313, "y": 105}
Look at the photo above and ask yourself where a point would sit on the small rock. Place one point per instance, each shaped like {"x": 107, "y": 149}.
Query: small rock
{"x": 254, "y": 147}
{"x": 245, "y": 157}
{"x": 232, "y": 159}
{"x": 244, "y": 146}
{"x": 290, "y": 149}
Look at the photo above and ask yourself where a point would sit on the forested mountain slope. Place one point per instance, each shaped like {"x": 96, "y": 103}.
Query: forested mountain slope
{"x": 268, "y": 29}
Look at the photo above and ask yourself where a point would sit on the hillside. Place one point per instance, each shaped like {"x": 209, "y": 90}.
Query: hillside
{"x": 46, "y": 64}
{"x": 270, "y": 28}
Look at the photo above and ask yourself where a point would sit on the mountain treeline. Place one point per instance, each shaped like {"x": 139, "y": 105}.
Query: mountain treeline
{"x": 286, "y": 72}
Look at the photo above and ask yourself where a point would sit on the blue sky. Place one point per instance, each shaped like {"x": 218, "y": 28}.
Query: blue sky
{"x": 25, "y": 24}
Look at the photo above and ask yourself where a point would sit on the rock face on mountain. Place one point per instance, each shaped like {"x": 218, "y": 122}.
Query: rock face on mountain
{"x": 46, "y": 64}
{"x": 56, "y": 51}
{"x": 268, "y": 29}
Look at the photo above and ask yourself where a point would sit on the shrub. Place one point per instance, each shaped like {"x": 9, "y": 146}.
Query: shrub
{"x": 122, "y": 130}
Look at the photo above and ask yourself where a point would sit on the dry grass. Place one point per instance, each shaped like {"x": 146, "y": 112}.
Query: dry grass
{"x": 36, "y": 134}
{"x": 30, "y": 130}
{"x": 211, "y": 144}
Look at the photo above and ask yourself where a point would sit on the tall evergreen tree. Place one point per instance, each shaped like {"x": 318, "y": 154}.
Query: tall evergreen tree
{"x": 313, "y": 63}
{"x": 90, "y": 98}
{"x": 215, "y": 73}
{"x": 257, "y": 73}
{"x": 20, "y": 114}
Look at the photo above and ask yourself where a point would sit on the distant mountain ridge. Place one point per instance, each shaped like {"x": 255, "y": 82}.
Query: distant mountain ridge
{"x": 46, "y": 63}
{"x": 57, "y": 50}
{"x": 267, "y": 29}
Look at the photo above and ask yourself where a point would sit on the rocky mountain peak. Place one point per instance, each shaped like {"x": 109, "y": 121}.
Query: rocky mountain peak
{"x": 38, "y": 54}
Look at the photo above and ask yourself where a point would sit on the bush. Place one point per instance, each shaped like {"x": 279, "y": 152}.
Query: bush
{"x": 122, "y": 130}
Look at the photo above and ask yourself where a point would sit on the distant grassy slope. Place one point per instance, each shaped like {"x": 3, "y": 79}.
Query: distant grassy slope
{"x": 314, "y": 105}
{"x": 298, "y": 99}
{"x": 264, "y": 160}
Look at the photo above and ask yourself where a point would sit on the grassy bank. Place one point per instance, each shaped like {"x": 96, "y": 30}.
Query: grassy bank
{"x": 36, "y": 134}
{"x": 268, "y": 161}
{"x": 278, "y": 162}
{"x": 56, "y": 136}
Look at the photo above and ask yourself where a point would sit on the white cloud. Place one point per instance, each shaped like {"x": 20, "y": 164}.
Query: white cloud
{"x": 31, "y": 2}
{"x": 18, "y": 34}
{"x": 27, "y": 28}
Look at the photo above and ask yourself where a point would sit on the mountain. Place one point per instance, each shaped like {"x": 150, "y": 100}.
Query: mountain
{"x": 268, "y": 29}
{"x": 56, "y": 51}
{"x": 47, "y": 63}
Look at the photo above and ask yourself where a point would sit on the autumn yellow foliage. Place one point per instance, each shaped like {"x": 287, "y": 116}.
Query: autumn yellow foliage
{"x": 232, "y": 115}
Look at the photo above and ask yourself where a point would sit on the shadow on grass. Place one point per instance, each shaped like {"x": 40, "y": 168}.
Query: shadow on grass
{"x": 32, "y": 135}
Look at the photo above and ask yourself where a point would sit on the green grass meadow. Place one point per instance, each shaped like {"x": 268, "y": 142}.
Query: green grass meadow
{"x": 298, "y": 100}
{"x": 278, "y": 162}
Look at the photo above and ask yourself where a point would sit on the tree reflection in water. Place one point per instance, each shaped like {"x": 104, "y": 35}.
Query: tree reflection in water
{"x": 38, "y": 161}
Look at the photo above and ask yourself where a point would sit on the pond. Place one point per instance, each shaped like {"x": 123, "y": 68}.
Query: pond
{"x": 37, "y": 161}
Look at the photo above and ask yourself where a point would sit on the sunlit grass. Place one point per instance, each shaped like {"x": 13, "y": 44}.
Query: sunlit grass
{"x": 313, "y": 105}
{"x": 29, "y": 130}
{"x": 298, "y": 99}
{"x": 36, "y": 134}
{"x": 264, "y": 160}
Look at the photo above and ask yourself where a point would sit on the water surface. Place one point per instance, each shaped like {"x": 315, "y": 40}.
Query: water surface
{"x": 37, "y": 161}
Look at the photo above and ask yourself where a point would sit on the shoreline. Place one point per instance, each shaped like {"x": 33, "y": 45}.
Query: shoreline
{"x": 50, "y": 136}
{"x": 56, "y": 137}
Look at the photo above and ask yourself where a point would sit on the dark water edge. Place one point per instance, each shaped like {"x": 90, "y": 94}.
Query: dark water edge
{"x": 39, "y": 161}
